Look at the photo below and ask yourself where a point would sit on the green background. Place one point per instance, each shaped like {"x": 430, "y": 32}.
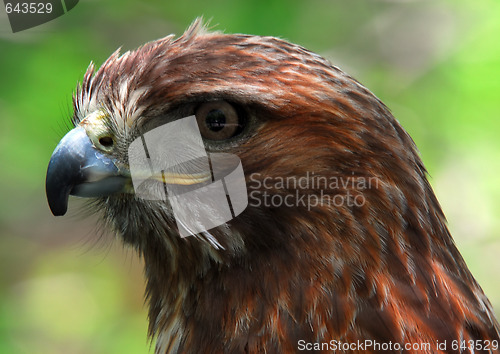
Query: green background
{"x": 66, "y": 287}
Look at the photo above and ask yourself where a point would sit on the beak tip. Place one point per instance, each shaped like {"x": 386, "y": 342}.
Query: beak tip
{"x": 58, "y": 211}
{"x": 57, "y": 200}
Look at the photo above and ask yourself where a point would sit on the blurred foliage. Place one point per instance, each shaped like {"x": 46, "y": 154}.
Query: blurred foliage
{"x": 436, "y": 64}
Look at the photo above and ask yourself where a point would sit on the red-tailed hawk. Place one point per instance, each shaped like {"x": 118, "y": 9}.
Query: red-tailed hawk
{"x": 342, "y": 247}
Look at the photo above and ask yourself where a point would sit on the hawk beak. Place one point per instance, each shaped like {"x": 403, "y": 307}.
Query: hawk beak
{"x": 78, "y": 168}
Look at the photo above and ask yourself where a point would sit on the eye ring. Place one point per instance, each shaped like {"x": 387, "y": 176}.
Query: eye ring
{"x": 104, "y": 142}
{"x": 218, "y": 120}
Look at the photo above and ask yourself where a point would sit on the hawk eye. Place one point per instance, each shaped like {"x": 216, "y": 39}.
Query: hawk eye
{"x": 215, "y": 120}
{"x": 218, "y": 120}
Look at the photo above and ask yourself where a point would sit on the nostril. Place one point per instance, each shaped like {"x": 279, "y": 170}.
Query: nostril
{"x": 106, "y": 141}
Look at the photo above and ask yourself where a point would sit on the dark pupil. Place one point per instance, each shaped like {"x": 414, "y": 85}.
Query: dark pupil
{"x": 215, "y": 120}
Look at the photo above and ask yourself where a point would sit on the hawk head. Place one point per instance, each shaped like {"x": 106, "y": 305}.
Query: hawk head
{"x": 342, "y": 239}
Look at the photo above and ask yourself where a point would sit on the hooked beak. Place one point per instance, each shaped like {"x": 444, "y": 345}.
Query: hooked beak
{"x": 78, "y": 168}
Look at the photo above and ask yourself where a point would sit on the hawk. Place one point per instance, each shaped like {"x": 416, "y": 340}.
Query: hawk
{"x": 343, "y": 246}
